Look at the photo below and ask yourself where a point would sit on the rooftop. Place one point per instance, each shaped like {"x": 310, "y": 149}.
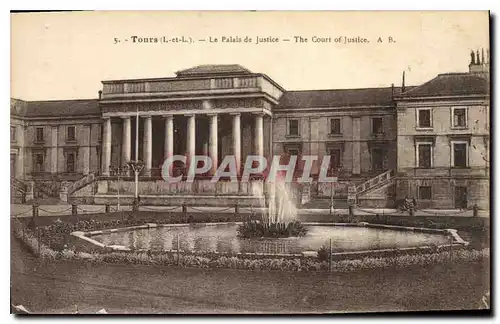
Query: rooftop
{"x": 339, "y": 97}
{"x": 211, "y": 69}
{"x": 451, "y": 84}
{"x": 55, "y": 108}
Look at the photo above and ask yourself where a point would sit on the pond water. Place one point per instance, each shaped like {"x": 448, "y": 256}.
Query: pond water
{"x": 224, "y": 238}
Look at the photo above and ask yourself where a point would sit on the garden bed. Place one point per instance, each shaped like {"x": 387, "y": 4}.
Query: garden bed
{"x": 53, "y": 245}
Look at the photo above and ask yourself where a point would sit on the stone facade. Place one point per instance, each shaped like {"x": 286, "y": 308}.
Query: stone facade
{"x": 226, "y": 110}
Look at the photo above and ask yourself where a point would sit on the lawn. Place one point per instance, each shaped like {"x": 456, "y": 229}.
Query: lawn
{"x": 44, "y": 286}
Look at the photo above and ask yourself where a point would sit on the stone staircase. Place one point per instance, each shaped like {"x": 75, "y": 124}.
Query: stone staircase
{"x": 81, "y": 183}
{"x": 377, "y": 191}
{"x": 375, "y": 182}
{"x": 18, "y": 190}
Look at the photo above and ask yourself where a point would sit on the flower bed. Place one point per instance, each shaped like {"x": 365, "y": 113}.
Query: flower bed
{"x": 212, "y": 260}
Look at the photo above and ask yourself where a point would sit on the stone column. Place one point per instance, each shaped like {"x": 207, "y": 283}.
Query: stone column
{"x": 191, "y": 138}
{"x": 148, "y": 145}
{"x": 106, "y": 146}
{"x": 356, "y": 149}
{"x": 237, "y": 140}
{"x": 126, "y": 140}
{"x": 54, "y": 144}
{"x": 169, "y": 137}
{"x": 213, "y": 149}
{"x": 259, "y": 134}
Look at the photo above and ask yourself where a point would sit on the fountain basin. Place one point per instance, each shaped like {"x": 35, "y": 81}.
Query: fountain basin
{"x": 349, "y": 239}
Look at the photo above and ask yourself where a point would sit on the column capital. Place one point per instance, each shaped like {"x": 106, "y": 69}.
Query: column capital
{"x": 235, "y": 114}
{"x": 258, "y": 113}
{"x": 106, "y": 117}
{"x": 168, "y": 116}
{"x": 212, "y": 114}
{"x": 125, "y": 117}
{"x": 146, "y": 116}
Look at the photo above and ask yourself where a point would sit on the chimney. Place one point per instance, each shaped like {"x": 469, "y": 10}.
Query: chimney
{"x": 100, "y": 94}
{"x": 478, "y": 64}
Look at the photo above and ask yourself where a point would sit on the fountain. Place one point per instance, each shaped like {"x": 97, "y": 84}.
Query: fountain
{"x": 280, "y": 219}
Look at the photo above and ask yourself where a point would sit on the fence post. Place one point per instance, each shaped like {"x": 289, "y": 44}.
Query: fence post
{"x": 184, "y": 208}
{"x": 236, "y": 209}
{"x": 330, "y": 257}
{"x": 74, "y": 210}
{"x": 135, "y": 206}
{"x": 107, "y": 208}
{"x": 351, "y": 212}
{"x": 34, "y": 218}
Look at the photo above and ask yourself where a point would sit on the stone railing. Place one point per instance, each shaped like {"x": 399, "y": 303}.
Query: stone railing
{"x": 375, "y": 181}
{"x": 177, "y": 85}
{"x": 18, "y": 185}
{"x": 77, "y": 185}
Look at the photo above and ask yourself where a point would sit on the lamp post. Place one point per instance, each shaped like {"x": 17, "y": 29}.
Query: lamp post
{"x": 118, "y": 171}
{"x": 136, "y": 166}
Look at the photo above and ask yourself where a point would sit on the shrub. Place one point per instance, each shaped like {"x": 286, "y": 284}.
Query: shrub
{"x": 323, "y": 253}
{"x": 254, "y": 228}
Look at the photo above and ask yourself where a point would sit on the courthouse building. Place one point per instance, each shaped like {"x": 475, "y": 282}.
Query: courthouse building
{"x": 428, "y": 142}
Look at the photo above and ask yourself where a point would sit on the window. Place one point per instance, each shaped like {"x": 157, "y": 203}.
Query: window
{"x": 424, "y": 155}
{"x": 39, "y": 134}
{"x": 70, "y": 162}
{"x": 424, "y": 118}
{"x": 38, "y": 165}
{"x": 335, "y": 126}
{"x": 459, "y": 154}
{"x": 459, "y": 117}
{"x": 70, "y": 136}
{"x": 425, "y": 192}
{"x": 377, "y": 127}
{"x": 293, "y": 127}
{"x": 12, "y": 133}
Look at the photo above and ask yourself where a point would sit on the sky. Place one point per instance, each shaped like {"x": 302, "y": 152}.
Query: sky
{"x": 67, "y": 55}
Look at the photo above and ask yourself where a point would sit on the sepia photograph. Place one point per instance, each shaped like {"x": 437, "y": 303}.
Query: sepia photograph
{"x": 250, "y": 162}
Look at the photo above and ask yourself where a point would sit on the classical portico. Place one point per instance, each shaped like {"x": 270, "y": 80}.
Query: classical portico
{"x": 208, "y": 110}
{"x": 189, "y": 132}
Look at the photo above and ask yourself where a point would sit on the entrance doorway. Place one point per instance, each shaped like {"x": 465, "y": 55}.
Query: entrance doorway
{"x": 461, "y": 197}
{"x": 377, "y": 159}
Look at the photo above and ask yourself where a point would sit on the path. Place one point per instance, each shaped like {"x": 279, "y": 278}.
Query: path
{"x": 55, "y": 287}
